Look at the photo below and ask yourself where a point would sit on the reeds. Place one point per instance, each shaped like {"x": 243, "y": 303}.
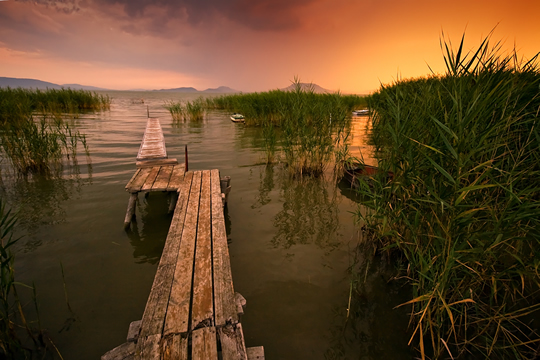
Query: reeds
{"x": 35, "y": 146}
{"x": 463, "y": 205}
{"x": 305, "y": 127}
{"x": 192, "y": 110}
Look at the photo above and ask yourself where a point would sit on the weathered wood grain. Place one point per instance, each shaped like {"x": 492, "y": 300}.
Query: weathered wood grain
{"x": 148, "y": 348}
{"x": 175, "y": 347}
{"x": 158, "y": 162}
{"x": 204, "y": 344}
{"x": 177, "y": 320}
{"x": 176, "y": 178}
{"x": 224, "y": 300}
{"x": 162, "y": 179}
{"x": 202, "y": 311}
{"x": 125, "y": 351}
{"x": 156, "y": 306}
{"x": 153, "y": 143}
{"x": 128, "y": 185}
{"x": 154, "y": 171}
{"x": 255, "y": 353}
{"x": 233, "y": 346}
{"x": 138, "y": 182}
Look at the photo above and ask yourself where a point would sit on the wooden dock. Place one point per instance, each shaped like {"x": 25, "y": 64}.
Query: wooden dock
{"x": 192, "y": 311}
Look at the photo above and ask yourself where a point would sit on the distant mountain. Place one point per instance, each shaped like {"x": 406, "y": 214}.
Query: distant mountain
{"x": 221, "y": 89}
{"x": 42, "y": 85}
{"x": 306, "y": 86}
{"x": 180, "y": 89}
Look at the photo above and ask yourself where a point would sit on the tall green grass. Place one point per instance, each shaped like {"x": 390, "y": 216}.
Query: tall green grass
{"x": 463, "y": 206}
{"x": 300, "y": 127}
{"x": 192, "y": 110}
{"x": 33, "y": 132}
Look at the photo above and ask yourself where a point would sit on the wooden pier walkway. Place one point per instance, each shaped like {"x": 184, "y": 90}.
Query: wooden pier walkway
{"x": 192, "y": 311}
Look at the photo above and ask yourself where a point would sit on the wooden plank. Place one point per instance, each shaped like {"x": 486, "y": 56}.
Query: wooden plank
{"x": 148, "y": 348}
{"x": 176, "y": 177}
{"x": 133, "y": 332}
{"x": 150, "y": 179}
{"x": 224, "y": 298}
{"x": 138, "y": 182}
{"x": 159, "y": 162}
{"x": 233, "y": 346}
{"x": 156, "y": 306}
{"x": 204, "y": 344}
{"x": 133, "y": 178}
{"x": 175, "y": 347}
{"x": 255, "y": 353}
{"x": 123, "y": 352}
{"x": 177, "y": 320}
{"x": 153, "y": 143}
{"x": 162, "y": 179}
{"x": 202, "y": 310}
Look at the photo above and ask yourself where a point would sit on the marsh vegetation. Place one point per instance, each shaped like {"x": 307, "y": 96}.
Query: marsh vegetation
{"x": 462, "y": 211}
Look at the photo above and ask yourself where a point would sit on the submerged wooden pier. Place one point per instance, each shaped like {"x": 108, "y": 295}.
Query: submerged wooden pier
{"x": 192, "y": 311}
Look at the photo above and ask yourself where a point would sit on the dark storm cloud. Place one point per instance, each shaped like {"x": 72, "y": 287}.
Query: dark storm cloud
{"x": 273, "y": 15}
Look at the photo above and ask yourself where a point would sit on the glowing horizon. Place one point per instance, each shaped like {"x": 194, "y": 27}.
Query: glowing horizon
{"x": 248, "y": 46}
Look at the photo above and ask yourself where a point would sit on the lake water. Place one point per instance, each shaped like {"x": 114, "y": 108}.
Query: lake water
{"x": 291, "y": 242}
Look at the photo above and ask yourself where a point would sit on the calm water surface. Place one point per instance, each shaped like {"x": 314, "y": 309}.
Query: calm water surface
{"x": 291, "y": 243}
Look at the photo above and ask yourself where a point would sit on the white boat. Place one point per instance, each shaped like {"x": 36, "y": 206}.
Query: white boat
{"x": 361, "y": 112}
{"x": 238, "y": 118}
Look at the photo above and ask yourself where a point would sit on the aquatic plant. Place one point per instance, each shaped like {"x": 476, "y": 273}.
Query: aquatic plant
{"x": 193, "y": 110}
{"x": 463, "y": 206}
{"x": 305, "y": 127}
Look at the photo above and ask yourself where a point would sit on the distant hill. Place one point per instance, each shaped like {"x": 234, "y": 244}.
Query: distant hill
{"x": 306, "y": 86}
{"x": 221, "y": 89}
{"x": 42, "y": 85}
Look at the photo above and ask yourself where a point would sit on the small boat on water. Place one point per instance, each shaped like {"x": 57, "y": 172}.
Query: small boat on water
{"x": 237, "y": 118}
{"x": 362, "y": 112}
{"x": 354, "y": 171}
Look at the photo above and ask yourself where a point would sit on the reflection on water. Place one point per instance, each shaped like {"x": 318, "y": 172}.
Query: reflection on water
{"x": 309, "y": 215}
{"x": 38, "y": 199}
{"x": 148, "y": 240}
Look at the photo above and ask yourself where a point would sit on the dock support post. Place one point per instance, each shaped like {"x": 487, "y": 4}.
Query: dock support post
{"x": 186, "y": 162}
{"x": 130, "y": 213}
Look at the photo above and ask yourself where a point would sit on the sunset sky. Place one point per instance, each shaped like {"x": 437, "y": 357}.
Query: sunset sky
{"x": 249, "y": 45}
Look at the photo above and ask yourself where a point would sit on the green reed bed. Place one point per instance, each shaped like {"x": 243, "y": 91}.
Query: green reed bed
{"x": 306, "y": 128}
{"x": 190, "y": 110}
{"x": 38, "y": 143}
{"x": 463, "y": 206}
{"x": 20, "y": 103}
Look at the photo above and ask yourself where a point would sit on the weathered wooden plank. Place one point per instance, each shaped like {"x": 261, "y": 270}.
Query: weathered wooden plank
{"x": 176, "y": 177}
{"x": 162, "y": 180}
{"x": 224, "y": 299}
{"x": 138, "y": 182}
{"x": 148, "y": 348}
{"x": 153, "y": 141}
{"x": 202, "y": 311}
{"x": 128, "y": 185}
{"x": 204, "y": 344}
{"x": 134, "y": 330}
{"x": 255, "y": 353}
{"x": 177, "y": 320}
{"x": 232, "y": 342}
{"x": 158, "y": 162}
{"x": 130, "y": 213}
{"x": 156, "y": 306}
{"x": 154, "y": 171}
{"x": 175, "y": 347}
{"x": 125, "y": 351}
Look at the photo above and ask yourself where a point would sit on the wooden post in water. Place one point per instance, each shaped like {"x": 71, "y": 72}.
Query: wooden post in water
{"x": 147, "y": 111}
{"x": 186, "y": 163}
{"x": 130, "y": 213}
